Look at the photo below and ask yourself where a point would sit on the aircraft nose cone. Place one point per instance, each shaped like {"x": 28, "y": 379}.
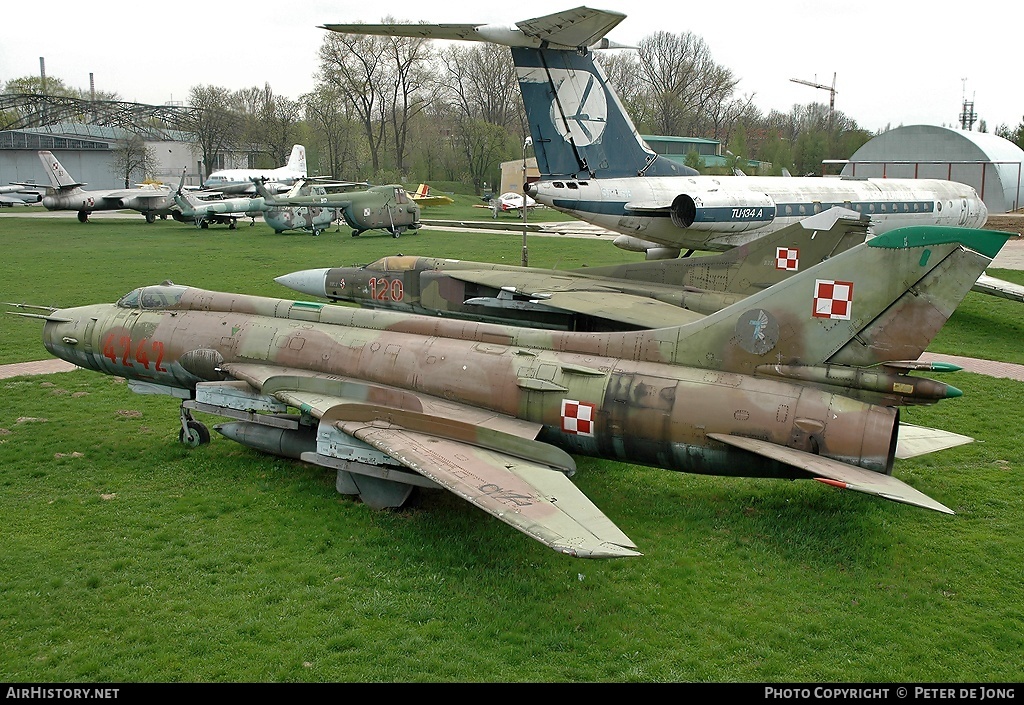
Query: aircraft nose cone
{"x": 308, "y": 281}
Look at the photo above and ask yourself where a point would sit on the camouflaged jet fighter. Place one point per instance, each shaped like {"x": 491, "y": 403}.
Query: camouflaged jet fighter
{"x": 650, "y": 294}
{"x": 387, "y": 208}
{"x": 801, "y": 380}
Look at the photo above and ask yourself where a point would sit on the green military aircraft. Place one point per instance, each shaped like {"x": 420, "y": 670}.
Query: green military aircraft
{"x": 388, "y": 208}
{"x": 227, "y": 211}
{"x": 650, "y": 294}
{"x": 801, "y": 380}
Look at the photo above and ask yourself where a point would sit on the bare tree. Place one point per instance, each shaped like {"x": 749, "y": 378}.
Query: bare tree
{"x": 335, "y": 130}
{"x": 356, "y": 67}
{"x": 684, "y": 84}
{"x": 408, "y": 73}
{"x": 213, "y": 125}
{"x": 133, "y": 155}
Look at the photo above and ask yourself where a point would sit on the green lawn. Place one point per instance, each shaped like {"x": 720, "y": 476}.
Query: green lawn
{"x": 129, "y": 558}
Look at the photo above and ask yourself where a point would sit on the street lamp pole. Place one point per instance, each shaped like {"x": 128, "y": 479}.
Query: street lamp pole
{"x": 526, "y": 143}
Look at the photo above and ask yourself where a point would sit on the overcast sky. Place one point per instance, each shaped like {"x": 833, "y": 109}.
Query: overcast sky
{"x": 897, "y": 62}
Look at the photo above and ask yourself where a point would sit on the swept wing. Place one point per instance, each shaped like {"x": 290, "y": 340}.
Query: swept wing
{"x": 488, "y": 459}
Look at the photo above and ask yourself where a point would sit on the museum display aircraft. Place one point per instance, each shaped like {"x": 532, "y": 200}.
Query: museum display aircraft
{"x": 19, "y": 195}
{"x": 647, "y": 294}
{"x": 239, "y": 181}
{"x": 511, "y": 202}
{"x": 595, "y": 166}
{"x": 312, "y": 219}
{"x": 801, "y": 380}
{"x": 388, "y": 208}
{"x": 424, "y": 197}
{"x": 68, "y": 195}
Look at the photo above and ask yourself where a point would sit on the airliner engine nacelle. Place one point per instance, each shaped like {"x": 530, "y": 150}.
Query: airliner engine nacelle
{"x": 723, "y": 211}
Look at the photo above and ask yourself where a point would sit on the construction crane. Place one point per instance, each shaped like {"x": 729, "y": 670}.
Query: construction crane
{"x": 832, "y": 95}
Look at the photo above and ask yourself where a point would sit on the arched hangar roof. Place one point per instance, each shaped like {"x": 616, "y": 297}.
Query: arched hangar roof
{"x": 992, "y": 165}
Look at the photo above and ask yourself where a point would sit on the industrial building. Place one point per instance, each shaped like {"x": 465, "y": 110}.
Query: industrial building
{"x": 989, "y": 163}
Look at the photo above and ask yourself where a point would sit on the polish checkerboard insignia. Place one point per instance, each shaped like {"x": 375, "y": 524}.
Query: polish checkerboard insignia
{"x": 578, "y": 417}
{"x": 787, "y": 258}
{"x": 833, "y": 299}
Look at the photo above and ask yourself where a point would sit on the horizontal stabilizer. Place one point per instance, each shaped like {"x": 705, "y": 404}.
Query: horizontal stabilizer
{"x": 836, "y": 473}
{"x": 999, "y": 287}
{"x": 921, "y": 440}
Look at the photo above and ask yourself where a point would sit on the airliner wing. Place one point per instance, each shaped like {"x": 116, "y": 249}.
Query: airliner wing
{"x": 835, "y": 473}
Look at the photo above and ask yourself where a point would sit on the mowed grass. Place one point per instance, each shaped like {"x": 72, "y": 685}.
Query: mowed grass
{"x": 129, "y": 558}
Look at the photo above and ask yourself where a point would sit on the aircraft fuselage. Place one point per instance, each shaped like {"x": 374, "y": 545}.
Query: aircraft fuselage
{"x": 588, "y": 394}
{"x": 721, "y": 212}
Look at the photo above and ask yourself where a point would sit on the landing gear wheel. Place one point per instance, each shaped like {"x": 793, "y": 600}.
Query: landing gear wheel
{"x": 150, "y": 218}
{"x": 231, "y": 225}
{"x": 197, "y": 434}
{"x": 83, "y": 216}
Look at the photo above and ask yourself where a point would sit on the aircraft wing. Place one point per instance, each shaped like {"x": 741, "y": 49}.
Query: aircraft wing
{"x": 583, "y": 295}
{"x": 999, "y": 287}
{"x": 431, "y": 200}
{"x": 836, "y": 473}
{"x": 625, "y": 308}
{"x": 489, "y": 459}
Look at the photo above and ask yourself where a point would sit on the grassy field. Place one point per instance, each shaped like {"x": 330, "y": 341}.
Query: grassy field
{"x": 129, "y": 558}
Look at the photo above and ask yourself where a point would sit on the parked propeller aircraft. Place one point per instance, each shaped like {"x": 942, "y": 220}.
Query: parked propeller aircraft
{"x": 511, "y": 201}
{"x": 800, "y": 380}
{"x": 68, "y": 195}
{"x": 423, "y": 197}
{"x": 387, "y": 208}
{"x": 239, "y": 181}
{"x": 595, "y": 166}
{"x": 651, "y": 294}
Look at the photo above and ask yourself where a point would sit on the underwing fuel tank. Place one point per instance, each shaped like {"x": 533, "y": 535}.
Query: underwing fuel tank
{"x": 285, "y": 442}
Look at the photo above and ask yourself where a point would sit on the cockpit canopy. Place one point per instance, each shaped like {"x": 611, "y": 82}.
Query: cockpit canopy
{"x": 153, "y": 297}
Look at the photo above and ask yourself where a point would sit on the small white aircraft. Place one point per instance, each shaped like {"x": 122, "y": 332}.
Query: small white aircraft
{"x": 276, "y": 180}
{"x": 510, "y": 201}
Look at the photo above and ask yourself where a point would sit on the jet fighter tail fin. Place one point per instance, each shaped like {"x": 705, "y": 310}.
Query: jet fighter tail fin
{"x": 58, "y": 175}
{"x": 879, "y": 302}
{"x": 578, "y": 125}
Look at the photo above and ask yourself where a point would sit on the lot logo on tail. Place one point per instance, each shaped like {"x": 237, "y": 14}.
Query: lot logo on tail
{"x": 580, "y": 96}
